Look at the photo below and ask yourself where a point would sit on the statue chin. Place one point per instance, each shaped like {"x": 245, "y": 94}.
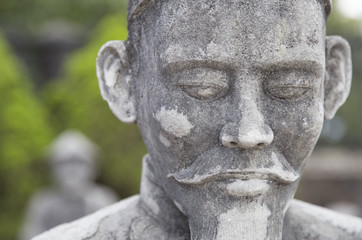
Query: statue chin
{"x": 238, "y": 209}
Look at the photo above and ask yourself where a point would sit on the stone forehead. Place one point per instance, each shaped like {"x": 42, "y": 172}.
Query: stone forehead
{"x": 137, "y": 7}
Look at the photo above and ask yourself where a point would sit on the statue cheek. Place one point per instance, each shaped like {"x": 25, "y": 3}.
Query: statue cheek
{"x": 164, "y": 140}
{"x": 311, "y": 124}
{"x": 174, "y": 125}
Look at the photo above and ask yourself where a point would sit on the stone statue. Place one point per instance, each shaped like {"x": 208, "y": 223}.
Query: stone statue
{"x": 74, "y": 194}
{"x": 230, "y": 98}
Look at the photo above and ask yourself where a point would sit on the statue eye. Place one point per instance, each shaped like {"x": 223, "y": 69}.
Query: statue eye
{"x": 288, "y": 92}
{"x": 203, "y": 83}
{"x": 203, "y": 91}
{"x": 290, "y": 83}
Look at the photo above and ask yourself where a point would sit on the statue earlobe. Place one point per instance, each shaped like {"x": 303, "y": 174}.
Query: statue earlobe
{"x": 113, "y": 72}
{"x": 337, "y": 82}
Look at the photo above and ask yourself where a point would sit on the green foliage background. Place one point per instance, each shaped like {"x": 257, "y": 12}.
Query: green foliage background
{"x": 24, "y": 131}
{"x": 29, "y": 14}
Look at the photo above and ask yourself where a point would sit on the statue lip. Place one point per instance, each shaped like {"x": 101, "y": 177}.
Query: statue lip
{"x": 285, "y": 177}
{"x": 262, "y": 174}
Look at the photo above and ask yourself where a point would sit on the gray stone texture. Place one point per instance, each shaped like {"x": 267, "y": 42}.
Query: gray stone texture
{"x": 230, "y": 98}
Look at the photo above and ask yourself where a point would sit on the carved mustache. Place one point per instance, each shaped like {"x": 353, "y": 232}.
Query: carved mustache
{"x": 222, "y": 164}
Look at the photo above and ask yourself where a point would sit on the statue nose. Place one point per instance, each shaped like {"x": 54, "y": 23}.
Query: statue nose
{"x": 250, "y": 131}
{"x": 233, "y": 136}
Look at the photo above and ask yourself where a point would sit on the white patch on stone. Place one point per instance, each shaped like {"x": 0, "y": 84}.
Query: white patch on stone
{"x": 174, "y": 122}
{"x": 305, "y": 122}
{"x": 247, "y": 223}
{"x": 250, "y": 187}
{"x": 179, "y": 207}
{"x": 111, "y": 75}
{"x": 164, "y": 141}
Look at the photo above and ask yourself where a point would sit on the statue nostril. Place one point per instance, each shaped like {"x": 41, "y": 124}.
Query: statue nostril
{"x": 260, "y": 144}
{"x": 233, "y": 144}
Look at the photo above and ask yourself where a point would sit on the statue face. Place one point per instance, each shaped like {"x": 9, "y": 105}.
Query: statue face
{"x": 229, "y": 96}
{"x": 73, "y": 175}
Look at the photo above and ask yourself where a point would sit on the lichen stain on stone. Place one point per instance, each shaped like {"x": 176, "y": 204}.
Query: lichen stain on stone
{"x": 173, "y": 122}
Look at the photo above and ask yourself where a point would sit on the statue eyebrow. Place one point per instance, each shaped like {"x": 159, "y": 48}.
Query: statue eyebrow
{"x": 176, "y": 66}
{"x": 307, "y": 65}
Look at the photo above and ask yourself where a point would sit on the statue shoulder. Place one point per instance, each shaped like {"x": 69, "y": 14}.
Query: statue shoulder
{"x": 304, "y": 221}
{"x": 113, "y": 221}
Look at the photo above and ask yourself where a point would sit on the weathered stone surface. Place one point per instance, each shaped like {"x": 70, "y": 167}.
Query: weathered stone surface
{"x": 307, "y": 221}
{"x": 230, "y": 98}
{"x": 74, "y": 193}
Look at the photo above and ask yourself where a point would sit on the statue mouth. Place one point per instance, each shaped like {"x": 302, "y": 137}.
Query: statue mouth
{"x": 244, "y": 175}
{"x": 218, "y": 165}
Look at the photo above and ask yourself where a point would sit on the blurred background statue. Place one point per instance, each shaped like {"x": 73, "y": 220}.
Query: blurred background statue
{"x": 74, "y": 193}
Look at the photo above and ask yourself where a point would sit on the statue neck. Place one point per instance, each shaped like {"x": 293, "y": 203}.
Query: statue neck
{"x": 159, "y": 206}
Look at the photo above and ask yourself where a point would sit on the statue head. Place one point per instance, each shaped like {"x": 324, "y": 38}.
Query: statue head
{"x": 73, "y": 161}
{"x": 229, "y": 96}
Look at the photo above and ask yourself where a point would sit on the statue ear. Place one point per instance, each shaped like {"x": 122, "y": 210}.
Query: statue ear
{"x": 338, "y": 77}
{"x": 113, "y": 72}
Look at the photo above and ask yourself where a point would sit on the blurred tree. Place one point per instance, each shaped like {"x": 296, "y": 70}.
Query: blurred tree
{"x": 24, "y": 131}
{"x": 29, "y": 14}
{"x": 43, "y": 32}
{"x": 75, "y": 102}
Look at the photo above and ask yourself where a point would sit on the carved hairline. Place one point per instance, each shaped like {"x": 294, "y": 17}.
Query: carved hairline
{"x": 137, "y": 7}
